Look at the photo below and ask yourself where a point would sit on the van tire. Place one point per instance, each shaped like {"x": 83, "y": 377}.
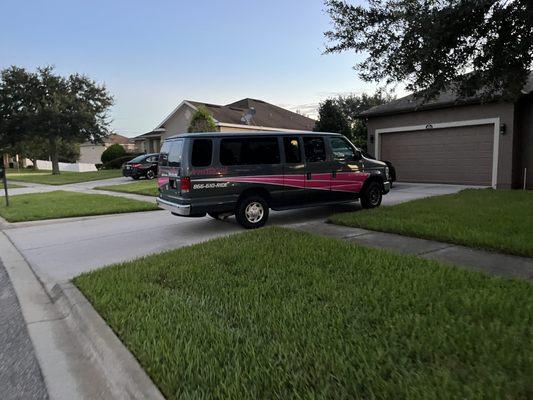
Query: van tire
{"x": 150, "y": 174}
{"x": 252, "y": 212}
{"x": 372, "y": 195}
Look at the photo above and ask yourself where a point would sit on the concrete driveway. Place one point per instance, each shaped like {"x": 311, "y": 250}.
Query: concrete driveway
{"x": 61, "y": 249}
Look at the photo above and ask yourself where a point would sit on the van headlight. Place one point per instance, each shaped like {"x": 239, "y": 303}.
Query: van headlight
{"x": 387, "y": 173}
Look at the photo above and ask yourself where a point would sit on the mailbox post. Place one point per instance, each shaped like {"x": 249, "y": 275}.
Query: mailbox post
{"x": 3, "y": 178}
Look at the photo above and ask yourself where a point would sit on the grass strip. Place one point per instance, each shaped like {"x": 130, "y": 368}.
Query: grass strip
{"x": 62, "y": 204}
{"x": 144, "y": 187}
{"x": 499, "y": 220}
{"x": 276, "y": 313}
{"x": 46, "y": 177}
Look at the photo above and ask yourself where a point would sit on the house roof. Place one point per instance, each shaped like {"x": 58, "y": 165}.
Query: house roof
{"x": 444, "y": 99}
{"x": 117, "y": 139}
{"x": 266, "y": 114}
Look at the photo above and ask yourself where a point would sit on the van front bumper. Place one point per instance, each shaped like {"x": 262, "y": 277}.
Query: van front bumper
{"x": 179, "y": 209}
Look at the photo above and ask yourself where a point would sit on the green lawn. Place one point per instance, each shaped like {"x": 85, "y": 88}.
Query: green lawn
{"x": 61, "y": 204}
{"x": 46, "y": 177}
{"x": 276, "y": 313}
{"x": 500, "y": 220}
{"x": 144, "y": 187}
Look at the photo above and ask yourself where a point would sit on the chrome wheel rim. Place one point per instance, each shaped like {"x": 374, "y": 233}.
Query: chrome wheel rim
{"x": 150, "y": 174}
{"x": 254, "y": 212}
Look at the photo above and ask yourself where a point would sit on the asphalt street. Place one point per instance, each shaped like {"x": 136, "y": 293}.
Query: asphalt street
{"x": 20, "y": 375}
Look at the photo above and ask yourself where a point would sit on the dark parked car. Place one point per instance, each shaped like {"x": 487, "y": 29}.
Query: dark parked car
{"x": 142, "y": 166}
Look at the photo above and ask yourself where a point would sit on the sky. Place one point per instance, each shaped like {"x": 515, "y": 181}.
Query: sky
{"x": 151, "y": 55}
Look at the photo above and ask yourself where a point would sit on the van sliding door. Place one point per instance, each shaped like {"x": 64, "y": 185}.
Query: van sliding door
{"x": 293, "y": 172}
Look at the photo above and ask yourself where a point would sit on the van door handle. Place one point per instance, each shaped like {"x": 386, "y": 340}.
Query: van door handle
{"x": 308, "y": 176}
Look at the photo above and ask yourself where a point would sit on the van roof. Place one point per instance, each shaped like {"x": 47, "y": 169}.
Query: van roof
{"x": 252, "y": 133}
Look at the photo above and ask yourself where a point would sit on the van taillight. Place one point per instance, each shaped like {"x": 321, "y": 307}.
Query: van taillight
{"x": 185, "y": 184}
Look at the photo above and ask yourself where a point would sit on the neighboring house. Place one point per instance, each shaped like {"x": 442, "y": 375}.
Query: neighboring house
{"x": 91, "y": 153}
{"x": 240, "y": 116}
{"x": 455, "y": 140}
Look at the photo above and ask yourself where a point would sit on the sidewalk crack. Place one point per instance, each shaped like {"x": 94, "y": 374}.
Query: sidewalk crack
{"x": 435, "y": 250}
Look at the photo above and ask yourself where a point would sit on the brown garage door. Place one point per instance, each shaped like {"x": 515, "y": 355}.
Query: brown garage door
{"x": 451, "y": 155}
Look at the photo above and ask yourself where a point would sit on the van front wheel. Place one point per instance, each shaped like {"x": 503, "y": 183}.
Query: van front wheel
{"x": 372, "y": 196}
{"x": 252, "y": 212}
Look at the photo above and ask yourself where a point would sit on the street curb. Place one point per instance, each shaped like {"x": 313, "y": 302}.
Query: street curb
{"x": 127, "y": 378}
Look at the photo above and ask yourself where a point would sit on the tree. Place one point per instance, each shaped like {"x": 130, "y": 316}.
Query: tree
{"x": 40, "y": 150}
{"x": 112, "y": 152}
{"x": 352, "y": 105}
{"x": 331, "y": 119}
{"x": 202, "y": 121}
{"x": 475, "y": 47}
{"x": 51, "y": 109}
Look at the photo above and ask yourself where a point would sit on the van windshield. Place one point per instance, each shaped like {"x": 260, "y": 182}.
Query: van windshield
{"x": 171, "y": 152}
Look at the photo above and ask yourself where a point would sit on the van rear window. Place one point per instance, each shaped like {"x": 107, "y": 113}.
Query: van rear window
{"x": 249, "y": 151}
{"x": 171, "y": 152}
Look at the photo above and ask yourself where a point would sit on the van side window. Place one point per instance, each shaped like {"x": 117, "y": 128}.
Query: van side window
{"x": 341, "y": 150}
{"x": 293, "y": 155}
{"x": 249, "y": 151}
{"x": 202, "y": 152}
{"x": 315, "y": 150}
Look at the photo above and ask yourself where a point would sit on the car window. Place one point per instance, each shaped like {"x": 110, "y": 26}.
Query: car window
{"x": 138, "y": 159}
{"x": 293, "y": 155}
{"x": 341, "y": 150}
{"x": 171, "y": 153}
{"x": 315, "y": 150}
{"x": 202, "y": 152}
{"x": 249, "y": 151}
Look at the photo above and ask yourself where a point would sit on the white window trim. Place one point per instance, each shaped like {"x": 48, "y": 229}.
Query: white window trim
{"x": 454, "y": 124}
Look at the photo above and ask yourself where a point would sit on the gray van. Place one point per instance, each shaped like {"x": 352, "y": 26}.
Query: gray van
{"x": 247, "y": 174}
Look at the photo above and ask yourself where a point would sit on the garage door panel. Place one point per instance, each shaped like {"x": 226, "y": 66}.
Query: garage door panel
{"x": 451, "y": 155}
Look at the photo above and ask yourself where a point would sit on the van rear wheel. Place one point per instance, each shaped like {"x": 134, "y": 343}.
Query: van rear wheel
{"x": 252, "y": 212}
{"x": 372, "y": 196}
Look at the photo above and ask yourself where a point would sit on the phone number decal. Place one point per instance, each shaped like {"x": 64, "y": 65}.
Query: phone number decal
{"x": 210, "y": 185}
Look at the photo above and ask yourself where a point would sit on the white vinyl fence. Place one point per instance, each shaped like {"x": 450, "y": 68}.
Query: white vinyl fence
{"x": 77, "y": 167}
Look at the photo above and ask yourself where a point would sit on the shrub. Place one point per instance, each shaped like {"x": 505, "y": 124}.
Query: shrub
{"x": 202, "y": 121}
{"x": 112, "y": 152}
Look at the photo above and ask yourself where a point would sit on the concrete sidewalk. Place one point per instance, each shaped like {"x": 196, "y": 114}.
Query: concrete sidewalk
{"x": 479, "y": 260}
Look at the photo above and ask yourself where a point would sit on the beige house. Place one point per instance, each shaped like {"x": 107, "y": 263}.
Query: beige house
{"x": 91, "y": 153}
{"x": 240, "y": 116}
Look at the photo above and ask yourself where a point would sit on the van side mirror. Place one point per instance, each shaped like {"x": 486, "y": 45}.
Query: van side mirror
{"x": 357, "y": 155}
